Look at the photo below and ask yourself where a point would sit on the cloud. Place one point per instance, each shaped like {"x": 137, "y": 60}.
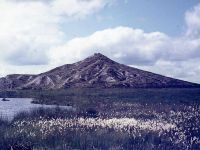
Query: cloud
{"x": 30, "y": 28}
{"x": 78, "y": 8}
{"x": 123, "y": 44}
{"x": 27, "y": 32}
{"x": 28, "y": 69}
{"x": 192, "y": 19}
{"x": 129, "y": 46}
{"x": 188, "y": 70}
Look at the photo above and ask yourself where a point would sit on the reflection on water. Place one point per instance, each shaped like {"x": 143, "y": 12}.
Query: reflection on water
{"x": 9, "y": 109}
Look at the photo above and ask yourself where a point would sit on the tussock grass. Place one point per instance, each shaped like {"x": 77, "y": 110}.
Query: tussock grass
{"x": 108, "y": 119}
{"x": 60, "y": 129}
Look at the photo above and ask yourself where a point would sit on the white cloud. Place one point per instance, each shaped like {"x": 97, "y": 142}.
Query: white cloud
{"x": 28, "y": 69}
{"x": 30, "y": 28}
{"x": 124, "y": 44}
{"x": 192, "y": 19}
{"x": 77, "y": 8}
{"x": 188, "y": 70}
{"x": 128, "y": 45}
{"x": 27, "y": 33}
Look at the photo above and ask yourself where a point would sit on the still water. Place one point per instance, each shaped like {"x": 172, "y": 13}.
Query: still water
{"x": 8, "y": 109}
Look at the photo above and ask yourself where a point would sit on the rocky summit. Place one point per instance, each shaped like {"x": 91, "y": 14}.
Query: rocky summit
{"x": 94, "y": 71}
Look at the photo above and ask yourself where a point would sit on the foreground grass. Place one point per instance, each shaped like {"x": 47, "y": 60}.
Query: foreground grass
{"x": 60, "y": 129}
{"x": 113, "y": 119}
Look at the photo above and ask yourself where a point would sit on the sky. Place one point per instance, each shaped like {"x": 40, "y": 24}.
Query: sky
{"x": 154, "y": 35}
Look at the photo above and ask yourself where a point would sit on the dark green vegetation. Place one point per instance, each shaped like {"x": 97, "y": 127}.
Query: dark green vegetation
{"x": 93, "y": 95}
{"x": 107, "y": 119}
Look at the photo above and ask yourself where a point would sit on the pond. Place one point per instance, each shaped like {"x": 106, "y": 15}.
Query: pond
{"x": 8, "y": 109}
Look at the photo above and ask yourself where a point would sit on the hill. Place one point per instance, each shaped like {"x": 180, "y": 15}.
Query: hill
{"x": 94, "y": 71}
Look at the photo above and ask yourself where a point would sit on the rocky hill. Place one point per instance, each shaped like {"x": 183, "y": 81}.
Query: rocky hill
{"x": 94, "y": 71}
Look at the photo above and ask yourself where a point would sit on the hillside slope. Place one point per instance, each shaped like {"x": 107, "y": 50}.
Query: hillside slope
{"x": 94, "y": 71}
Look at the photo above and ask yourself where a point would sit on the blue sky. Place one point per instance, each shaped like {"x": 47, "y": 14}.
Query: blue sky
{"x": 161, "y": 36}
{"x": 150, "y": 15}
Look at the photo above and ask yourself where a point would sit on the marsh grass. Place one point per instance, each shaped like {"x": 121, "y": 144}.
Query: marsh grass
{"x": 114, "y": 119}
{"x": 60, "y": 129}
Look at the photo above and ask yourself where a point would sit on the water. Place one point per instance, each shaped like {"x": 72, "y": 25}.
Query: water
{"x": 8, "y": 109}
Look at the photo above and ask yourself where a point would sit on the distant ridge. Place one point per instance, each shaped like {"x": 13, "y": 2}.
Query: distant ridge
{"x": 94, "y": 71}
